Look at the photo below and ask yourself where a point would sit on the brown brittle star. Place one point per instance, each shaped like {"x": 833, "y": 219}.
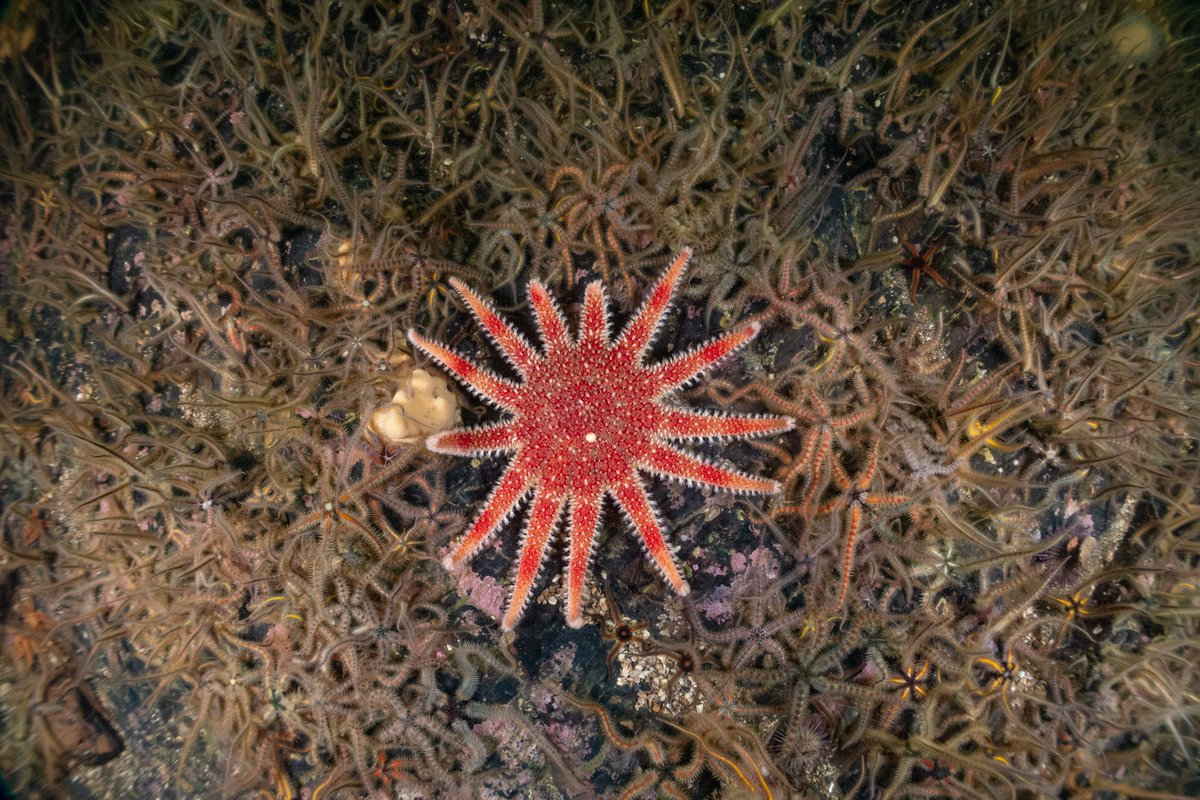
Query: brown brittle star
{"x": 920, "y": 261}
{"x": 815, "y": 455}
{"x": 853, "y": 500}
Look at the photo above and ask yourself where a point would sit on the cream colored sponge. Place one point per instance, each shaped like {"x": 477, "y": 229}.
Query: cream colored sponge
{"x": 424, "y": 405}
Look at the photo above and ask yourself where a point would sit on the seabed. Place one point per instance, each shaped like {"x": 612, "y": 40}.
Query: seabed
{"x": 968, "y": 230}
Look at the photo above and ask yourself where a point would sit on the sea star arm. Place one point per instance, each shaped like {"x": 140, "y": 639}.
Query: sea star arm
{"x": 512, "y": 487}
{"x": 551, "y": 325}
{"x": 543, "y": 514}
{"x": 511, "y": 343}
{"x": 474, "y": 441}
{"x": 677, "y": 371}
{"x": 631, "y": 496}
{"x": 593, "y": 324}
{"x": 672, "y": 463}
{"x": 640, "y": 331}
{"x": 479, "y": 380}
{"x": 585, "y": 514}
{"x": 679, "y": 424}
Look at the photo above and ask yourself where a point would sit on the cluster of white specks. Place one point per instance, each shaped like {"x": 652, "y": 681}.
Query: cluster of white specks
{"x": 652, "y": 675}
{"x": 659, "y": 688}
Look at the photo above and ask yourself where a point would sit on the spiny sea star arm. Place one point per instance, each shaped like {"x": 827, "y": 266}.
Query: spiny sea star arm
{"x": 511, "y": 343}
{"x": 479, "y": 380}
{"x": 593, "y": 324}
{"x": 631, "y": 496}
{"x": 512, "y": 487}
{"x": 672, "y": 463}
{"x": 474, "y": 441}
{"x": 585, "y": 514}
{"x": 677, "y": 371}
{"x": 680, "y": 424}
{"x": 543, "y": 514}
{"x": 551, "y": 325}
{"x": 640, "y": 331}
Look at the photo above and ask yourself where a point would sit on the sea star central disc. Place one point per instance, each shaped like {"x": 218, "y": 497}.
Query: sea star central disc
{"x": 586, "y": 419}
{"x": 590, "y": 424}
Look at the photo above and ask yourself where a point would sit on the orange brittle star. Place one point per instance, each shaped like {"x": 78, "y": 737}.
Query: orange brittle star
{"x": 854, "y": 499}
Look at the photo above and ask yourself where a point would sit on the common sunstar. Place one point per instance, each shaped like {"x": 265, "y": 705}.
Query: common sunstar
{"x": 586, "y": 419}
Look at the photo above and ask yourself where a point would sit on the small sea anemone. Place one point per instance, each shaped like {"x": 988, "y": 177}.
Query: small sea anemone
{"x": 1137, "y": 38}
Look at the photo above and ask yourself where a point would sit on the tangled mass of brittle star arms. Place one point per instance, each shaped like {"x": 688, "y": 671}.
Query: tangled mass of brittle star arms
{"x": 586, "y": 419}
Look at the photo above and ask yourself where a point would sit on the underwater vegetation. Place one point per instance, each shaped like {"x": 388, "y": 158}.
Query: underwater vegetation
{"x": 965, "y": 233}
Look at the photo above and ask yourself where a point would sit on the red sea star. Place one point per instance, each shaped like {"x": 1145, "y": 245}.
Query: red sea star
{"x": 587, "y": 418}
